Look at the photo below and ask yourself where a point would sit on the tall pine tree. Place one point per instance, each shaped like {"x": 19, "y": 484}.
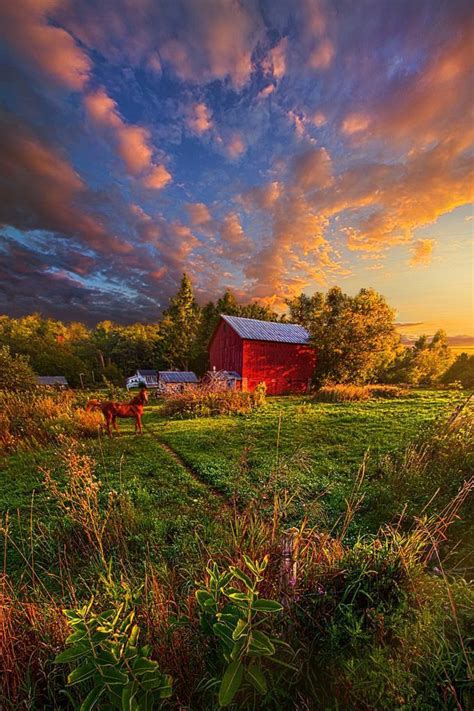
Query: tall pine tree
{"x": 180, "y": 326}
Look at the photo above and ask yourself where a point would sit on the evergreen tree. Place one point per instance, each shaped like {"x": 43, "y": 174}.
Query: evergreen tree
{"x": 180, "y": 327}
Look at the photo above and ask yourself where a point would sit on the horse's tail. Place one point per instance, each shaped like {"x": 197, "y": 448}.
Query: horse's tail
{"x": 93, "y": 405}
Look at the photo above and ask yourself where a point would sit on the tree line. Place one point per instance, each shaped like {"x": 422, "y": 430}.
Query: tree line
{"x": 355, "y": 338}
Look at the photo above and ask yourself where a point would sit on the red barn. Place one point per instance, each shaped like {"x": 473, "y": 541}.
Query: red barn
{"x": 278, "y": 354}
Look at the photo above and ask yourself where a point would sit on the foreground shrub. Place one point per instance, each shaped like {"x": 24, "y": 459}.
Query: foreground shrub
{"x": 238, "y": 620}
{"x": 109, "y": 666}
{"x": 350, "y": 393}
{"x": 203, "y": 402}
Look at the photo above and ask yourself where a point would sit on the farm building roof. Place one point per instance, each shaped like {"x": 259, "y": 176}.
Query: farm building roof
{"x": 255, "y": 330}
{"x": 177, "y": 376}
{"x": 51, "y": 380}
{"x": 223, "y": 375}
{"x": 145, "y": 372}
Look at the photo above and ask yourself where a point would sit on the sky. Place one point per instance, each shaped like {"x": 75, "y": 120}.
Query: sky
{"x": 272, "y": 147}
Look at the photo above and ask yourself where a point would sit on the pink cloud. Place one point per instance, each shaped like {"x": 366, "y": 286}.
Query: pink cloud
{"x": 52, "y": 50}
{"x": 41, "y": 190}
{"x": 235, "y": 146}
{"x": 198, "y": 214}
{"x": 199, "y": 119}
{"x": 355, "y": 123}
{"x": 158, "y": 178}
{"x": 322, "y": 56}
{"x": 133, "y": 142}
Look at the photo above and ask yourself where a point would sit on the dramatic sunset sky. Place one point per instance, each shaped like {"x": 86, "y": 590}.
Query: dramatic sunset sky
{"x": 269, "y": 146}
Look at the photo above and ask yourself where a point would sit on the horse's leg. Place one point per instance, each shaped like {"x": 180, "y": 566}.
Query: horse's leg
{"x": 108, "y": 420}
{"x": 114, "y": 422}
{"x": 138, "y": 425}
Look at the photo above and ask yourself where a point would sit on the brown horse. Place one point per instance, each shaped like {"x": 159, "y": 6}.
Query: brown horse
{"x": 112, "y": 410}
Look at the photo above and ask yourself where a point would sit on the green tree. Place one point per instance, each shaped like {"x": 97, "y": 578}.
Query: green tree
{"x": 461, "y": 371}
{"x": 354, "y": 337}
{"x": 305, "y": 309}
{"x": 423, "y": 364}
{"x": 15, "y": 371}
{"x": 180, "y": 327}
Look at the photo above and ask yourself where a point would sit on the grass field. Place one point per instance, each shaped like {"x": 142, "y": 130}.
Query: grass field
{"x": 309, "y": 452}
{"x": 192, "y": 490}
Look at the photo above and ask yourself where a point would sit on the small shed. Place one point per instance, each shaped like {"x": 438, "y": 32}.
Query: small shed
{"x": 52, "y": 381}
{"x": 176, "y": 380}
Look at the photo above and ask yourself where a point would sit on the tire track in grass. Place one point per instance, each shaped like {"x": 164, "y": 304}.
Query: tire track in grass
{"x": 193, "y": 473}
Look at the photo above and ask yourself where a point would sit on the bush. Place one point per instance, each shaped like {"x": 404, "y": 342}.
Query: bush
{"x": 203, "y": 402}
{"x": 35, "y": 418}
{"x": 349, "y": 393}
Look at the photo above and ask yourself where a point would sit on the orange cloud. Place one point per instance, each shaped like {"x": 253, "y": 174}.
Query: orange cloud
{"x": 266, "y": 91}
{"x": 25, "y": 26}
{"x": 263, "y": 197}
{"x": 214, "y": 42}
{"x": 312, "y": 169}
{"x": 235, "y": 242}
{"x": 319, "y": 119}
{"x": 422, "y": 252}
{"x": 354, "y": 123}
{"x": 133, "y": 142}
{"x": 434, "y": 103}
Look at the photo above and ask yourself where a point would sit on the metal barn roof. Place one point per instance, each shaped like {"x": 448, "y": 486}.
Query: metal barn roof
{"x": 254, "y": 330}
{"x": 152, "y": 373}
{"x": 51, "y": 380}
{"x": 177, "y": 376}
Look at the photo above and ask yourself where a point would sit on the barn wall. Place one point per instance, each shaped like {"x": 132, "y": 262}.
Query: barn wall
{"x": 225, "y": 351}
{"x": 285, "y": 367}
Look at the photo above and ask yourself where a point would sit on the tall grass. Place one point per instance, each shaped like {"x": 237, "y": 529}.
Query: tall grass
{"x": 348, "y": 393}
{"x": 34, "y": 418}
